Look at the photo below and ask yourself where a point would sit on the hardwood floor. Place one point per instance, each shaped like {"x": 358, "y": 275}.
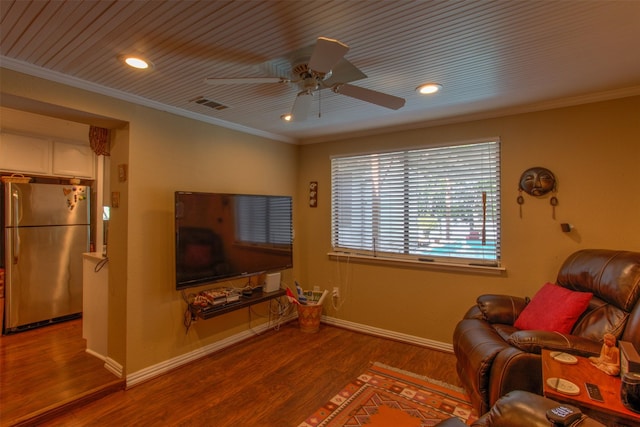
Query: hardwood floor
{"x": 274, "y": 379}
{"x": 46, "y": 370}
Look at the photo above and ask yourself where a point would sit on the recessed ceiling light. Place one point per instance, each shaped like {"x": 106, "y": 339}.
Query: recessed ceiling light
{"x": 428, "y": 88}
{"x": 137, "y": 62}
{"x": 286, "y": 117}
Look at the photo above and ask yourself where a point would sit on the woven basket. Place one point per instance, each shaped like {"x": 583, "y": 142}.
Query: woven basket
{"x": 17, "y": 178}
{"x": 309, "y": 318}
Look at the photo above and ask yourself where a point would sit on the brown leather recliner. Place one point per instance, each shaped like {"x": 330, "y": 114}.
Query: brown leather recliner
{"x": 519, "y": 408}
{"x": 494, "y": 357}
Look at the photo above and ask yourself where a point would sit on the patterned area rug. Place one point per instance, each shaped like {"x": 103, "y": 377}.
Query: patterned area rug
{"x": 386, "y": 396}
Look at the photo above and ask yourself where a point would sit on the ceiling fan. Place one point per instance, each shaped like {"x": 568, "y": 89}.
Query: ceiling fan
{"x": 324, "y": 69}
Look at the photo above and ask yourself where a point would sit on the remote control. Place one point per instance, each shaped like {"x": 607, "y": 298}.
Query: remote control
{"x": 594, "y": 392}
{"x": 563, "y": 415}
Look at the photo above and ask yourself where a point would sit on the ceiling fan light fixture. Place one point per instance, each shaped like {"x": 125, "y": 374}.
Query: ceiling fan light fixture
{"x": 428, "y": 88}
{"x": 316, "y": 72}
{"x": 136, "y": 62}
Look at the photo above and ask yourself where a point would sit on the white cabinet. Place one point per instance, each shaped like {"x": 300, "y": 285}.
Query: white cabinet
{"x": 72, "y": 160}
{"x": 28, "y": 154}
{"x": 25, "y": 154}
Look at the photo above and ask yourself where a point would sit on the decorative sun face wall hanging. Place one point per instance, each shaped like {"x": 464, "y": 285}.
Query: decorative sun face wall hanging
{"x": 537, "y": 182}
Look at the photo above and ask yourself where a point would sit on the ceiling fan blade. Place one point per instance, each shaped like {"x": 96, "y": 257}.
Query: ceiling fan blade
{"x": 302, "y": 106}
{"x": 248, "y": 80}
{"x": 343, "y": 72}
{"x": 326, "y": 54}
{"x": 368, "y": 95}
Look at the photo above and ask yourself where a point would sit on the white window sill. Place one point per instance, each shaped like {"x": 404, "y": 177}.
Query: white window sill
{"x": 426, "y": 264}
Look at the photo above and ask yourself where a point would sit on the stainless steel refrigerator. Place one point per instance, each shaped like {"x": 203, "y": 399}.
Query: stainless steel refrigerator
{"x": 46, "y": 230}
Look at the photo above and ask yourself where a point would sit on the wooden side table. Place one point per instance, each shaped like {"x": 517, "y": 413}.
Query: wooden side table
{"x": 611, "y": 411}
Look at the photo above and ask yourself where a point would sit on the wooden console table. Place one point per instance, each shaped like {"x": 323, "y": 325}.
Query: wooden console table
{"x": 256, "y": 298}
{"x": 611, "y": 411}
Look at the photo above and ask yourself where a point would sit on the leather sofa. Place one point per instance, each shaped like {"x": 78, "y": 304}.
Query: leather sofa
{"x": 519, "y": 408}
{"x": 494, "y": 357}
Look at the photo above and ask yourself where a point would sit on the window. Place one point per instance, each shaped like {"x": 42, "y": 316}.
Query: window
{"x": 431, "y": 204}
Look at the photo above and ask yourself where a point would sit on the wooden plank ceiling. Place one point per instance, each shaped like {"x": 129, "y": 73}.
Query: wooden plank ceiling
{"x": 490, "y": 56}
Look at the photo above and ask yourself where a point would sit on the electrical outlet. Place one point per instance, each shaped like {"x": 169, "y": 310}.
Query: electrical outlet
{"x": 336, "y": 292}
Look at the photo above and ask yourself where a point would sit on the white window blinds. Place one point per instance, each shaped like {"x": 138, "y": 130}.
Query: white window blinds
{"x": 435, "y": 204}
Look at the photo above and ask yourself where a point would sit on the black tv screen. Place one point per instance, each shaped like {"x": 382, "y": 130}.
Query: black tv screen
{"x": 225, "y": 236}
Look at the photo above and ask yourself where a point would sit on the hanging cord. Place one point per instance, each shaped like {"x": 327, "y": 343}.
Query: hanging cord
{"x": 280, "y": 311}
{"x": 101, "y": 264}
{"x": 189, "y": 317}
{"x": 345, "y": 293}
{"x": 484, "y": 218}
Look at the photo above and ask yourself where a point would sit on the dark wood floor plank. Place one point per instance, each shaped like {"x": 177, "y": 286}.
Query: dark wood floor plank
{"x": 277, "y": 378}
{"x": 48, "y": 368}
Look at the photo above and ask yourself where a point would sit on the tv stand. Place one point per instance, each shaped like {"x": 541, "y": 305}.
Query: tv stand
{"x": 245, "y": 301}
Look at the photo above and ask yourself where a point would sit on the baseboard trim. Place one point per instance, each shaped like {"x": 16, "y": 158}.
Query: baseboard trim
{"x": 95, "y": 354}
{"x": 114, "y": 367}
{"x": 153, "y": 371}
{"x": 384, "y": 333}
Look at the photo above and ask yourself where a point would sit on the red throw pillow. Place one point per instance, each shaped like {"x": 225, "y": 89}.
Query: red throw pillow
{"x": 553, "y": 308}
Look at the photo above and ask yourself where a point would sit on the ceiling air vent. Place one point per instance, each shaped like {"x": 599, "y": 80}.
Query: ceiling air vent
{"x": 211, "y": 104}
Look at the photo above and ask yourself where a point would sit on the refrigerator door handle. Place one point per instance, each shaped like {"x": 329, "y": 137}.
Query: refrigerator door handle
{"x": 17, "y": 206}
{"x": 15, "y": 222}
{"x": 16, "y": 245}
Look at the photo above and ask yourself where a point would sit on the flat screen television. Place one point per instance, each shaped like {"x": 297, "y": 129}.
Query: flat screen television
{"x": 224, "y": 236}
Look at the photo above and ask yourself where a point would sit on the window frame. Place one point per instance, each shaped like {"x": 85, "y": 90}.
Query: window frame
{"x": 411, "y": 255}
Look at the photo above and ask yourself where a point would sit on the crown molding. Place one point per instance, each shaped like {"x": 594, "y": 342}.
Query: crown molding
{"x": 483, "y": 115}
{"x": 55, "y": 76}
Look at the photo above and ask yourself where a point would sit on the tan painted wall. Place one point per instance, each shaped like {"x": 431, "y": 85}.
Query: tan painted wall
{"x": 164, "y": 153}
{"x": 117, "y": 250}
{"x": 594, "y": 151}
{"x": 167, "y": 154}
{"x": 36, "y": 124}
